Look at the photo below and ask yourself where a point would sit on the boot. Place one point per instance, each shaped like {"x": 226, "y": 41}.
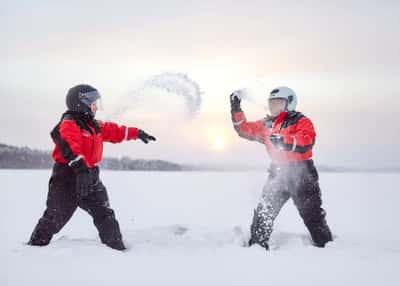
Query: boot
{"x": 117, "y": 244}
{"x": 263, "y": 244}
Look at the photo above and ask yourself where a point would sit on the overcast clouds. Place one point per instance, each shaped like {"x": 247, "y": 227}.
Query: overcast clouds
{"x": 342, "y": 58}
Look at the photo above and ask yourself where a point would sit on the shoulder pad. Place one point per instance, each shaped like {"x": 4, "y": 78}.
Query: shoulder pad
{"x": 292, "y": 118}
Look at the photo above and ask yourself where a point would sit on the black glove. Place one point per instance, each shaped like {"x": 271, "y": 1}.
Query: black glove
{"x": 145, "y": 137}
{"x": 84, "y": 183}
{"x": 235, "y": 99}
{"x": 84, "y": 179}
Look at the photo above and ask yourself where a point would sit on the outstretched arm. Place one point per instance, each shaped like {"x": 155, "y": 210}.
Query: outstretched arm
{"x": 114, "y": 133}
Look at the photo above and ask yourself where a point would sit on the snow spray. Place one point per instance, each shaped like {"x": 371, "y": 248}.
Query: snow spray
{"x": 165, "y": 84}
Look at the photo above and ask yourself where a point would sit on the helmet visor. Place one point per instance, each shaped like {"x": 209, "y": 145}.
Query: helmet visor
{"x": 277, "y": 105}
{"x": 90, "y": 98}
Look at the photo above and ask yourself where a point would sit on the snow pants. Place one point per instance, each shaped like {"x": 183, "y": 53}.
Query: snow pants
{"x": 298, "y": 181}
{"x": 63, "y": 200}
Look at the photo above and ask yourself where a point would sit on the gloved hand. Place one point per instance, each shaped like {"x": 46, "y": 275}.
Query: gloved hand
{"x": 84, "y": 183}
{"x": 145, "y": 137}
{"x": 278, "y": 141}
{"x": 84, "y": 180}
{"x": 235, "y": 99}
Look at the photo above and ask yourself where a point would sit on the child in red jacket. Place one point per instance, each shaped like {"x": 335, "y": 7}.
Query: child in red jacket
{"x": 75, "y": 181}
{"x": 288, "y": 137}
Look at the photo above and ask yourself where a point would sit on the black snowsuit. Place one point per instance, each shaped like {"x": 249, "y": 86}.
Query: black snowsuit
{"x": 299, "y": 181}
{"x": 62, "y": 201}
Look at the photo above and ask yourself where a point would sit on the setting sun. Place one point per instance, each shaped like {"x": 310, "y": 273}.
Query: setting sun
{"x": 219, "y": 143}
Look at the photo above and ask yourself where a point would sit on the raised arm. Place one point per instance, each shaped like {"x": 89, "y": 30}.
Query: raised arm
{"x": 254, "y": 131}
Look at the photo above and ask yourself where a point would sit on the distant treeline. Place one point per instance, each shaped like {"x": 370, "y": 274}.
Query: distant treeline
{"x": 12, "y": 157}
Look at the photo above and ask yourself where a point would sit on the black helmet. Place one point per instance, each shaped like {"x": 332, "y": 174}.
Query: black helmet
{"x": 80, "y": 97}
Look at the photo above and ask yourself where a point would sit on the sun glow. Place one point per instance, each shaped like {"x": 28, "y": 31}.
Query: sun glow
{"x": 219, "y": 144}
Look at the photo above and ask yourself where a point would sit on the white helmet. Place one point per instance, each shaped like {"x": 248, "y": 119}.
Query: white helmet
{"x": 285, "y": 93}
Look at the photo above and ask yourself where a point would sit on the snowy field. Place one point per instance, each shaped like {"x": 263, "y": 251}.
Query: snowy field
{"x": 187, "y": 229}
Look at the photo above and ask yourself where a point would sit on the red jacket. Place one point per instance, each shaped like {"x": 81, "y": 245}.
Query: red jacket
{"x": 297, "y": 131}
{"x": 75, "y": 137}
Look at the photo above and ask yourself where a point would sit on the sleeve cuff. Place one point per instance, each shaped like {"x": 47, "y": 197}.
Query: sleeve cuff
{"x": 78, "y": 164}
{"x": 131, "y": 133}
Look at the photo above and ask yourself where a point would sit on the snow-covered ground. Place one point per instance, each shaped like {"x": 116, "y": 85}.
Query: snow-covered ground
{"x": 185, "y": 229}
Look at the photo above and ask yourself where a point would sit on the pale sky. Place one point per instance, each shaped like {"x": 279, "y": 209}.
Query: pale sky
{"x": 342, "y": 58}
